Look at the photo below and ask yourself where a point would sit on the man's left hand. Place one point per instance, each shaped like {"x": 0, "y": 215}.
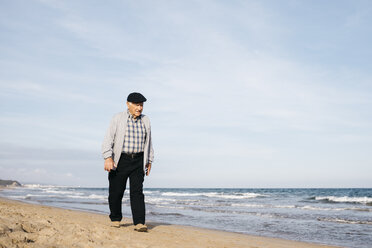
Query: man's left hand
{"x": 148, "y": 169}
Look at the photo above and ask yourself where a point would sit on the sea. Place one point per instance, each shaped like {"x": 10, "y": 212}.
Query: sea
{"x": 341, "y": 217}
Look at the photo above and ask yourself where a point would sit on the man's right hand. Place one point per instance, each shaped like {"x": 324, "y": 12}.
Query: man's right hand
{"x": 109, "y": 164}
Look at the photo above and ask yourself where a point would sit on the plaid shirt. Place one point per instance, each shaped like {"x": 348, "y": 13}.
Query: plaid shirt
{"x": 135, "y": 135}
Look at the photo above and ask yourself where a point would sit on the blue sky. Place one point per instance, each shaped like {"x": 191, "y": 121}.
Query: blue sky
{"x": 240, "y": 93}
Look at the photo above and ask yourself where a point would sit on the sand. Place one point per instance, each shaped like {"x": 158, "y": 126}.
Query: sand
{"x": 30, "y": 225}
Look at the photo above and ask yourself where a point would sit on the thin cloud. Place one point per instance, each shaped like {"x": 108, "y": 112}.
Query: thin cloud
{"x": 249, "y": 80}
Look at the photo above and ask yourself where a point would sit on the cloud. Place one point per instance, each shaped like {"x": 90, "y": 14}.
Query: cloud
{"x": 215, "y": 62}
{"x": 18, "y": 152}
{"x": 61, "y": 166}
{"x": 57, "y": 132}
{"x": 223, "y": 79}
{"x": 42, "y": 90}
{"x": 37, "y": 175}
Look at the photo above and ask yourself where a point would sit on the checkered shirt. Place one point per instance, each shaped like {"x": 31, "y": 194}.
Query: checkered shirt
{"x": 135, "y": 135}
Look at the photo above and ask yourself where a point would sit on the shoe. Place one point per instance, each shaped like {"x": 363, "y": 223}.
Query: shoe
{"x": 115, "y": 224}
{"x": 140, "y": 228}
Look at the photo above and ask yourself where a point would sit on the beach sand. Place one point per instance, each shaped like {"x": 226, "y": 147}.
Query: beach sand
{"x": 30, "y": 225}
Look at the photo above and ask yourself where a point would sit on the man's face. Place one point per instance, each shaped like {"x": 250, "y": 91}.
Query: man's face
{"x": 135, "y": 108}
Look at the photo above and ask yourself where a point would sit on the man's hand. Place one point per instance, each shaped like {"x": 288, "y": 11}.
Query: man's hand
{"x": 148, "y": 169}
{"x": 109, "y": 164}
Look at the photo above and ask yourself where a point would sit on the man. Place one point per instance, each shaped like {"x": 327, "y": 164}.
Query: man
{"x": 127, "y": 150}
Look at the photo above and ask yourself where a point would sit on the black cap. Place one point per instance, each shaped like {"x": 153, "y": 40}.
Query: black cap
{"x": 136, "y": 97}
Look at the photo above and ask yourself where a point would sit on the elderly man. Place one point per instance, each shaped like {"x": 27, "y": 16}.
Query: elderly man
{"x": 127, "y": 150}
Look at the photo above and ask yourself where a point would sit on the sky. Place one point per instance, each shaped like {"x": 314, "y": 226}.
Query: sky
{"x": 250, "y": 94}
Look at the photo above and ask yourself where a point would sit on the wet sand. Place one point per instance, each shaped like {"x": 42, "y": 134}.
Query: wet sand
{"x": 31, "y": 225}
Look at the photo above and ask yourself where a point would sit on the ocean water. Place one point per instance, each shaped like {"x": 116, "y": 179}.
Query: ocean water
{"x": 341, "y": 217}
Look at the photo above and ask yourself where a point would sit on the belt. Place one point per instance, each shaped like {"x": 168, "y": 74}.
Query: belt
{"x": 132, "y": 155}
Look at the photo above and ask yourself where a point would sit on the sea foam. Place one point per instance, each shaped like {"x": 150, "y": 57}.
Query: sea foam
{"x": 345, "y": 199}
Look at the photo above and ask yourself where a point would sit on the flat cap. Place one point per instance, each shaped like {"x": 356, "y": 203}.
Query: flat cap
{"x": 136, "y": 97}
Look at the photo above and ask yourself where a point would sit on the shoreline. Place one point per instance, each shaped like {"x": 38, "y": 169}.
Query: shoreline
{"x": 35, "y": 225}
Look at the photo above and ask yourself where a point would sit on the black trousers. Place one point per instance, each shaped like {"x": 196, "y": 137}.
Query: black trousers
{"x": 132, "y": 168}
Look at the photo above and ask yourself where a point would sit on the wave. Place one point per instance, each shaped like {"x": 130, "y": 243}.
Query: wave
{"x": 159, "y": 202}
{"x": 37, "y": 186}
{"x": 216, "y": 195}
{"x": 360, "y": 209}
{"x": 347, "y": 221}
{"x": 170, "y": 206}
{"x": 320, "y": 208}
{"x": 249, "y": 205}
{"x": 59, "y": 187}
{"x": 271, "y": 215}
{"x": 345, "y": 199}
{"x": 61, "y": 192}
{"x": 166, "y": 214}
{"x": 306, "y": 207}
{"x": 314, "y": 208}
{"x": 148, "y": 192}
{"x": 91, "y": 196}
